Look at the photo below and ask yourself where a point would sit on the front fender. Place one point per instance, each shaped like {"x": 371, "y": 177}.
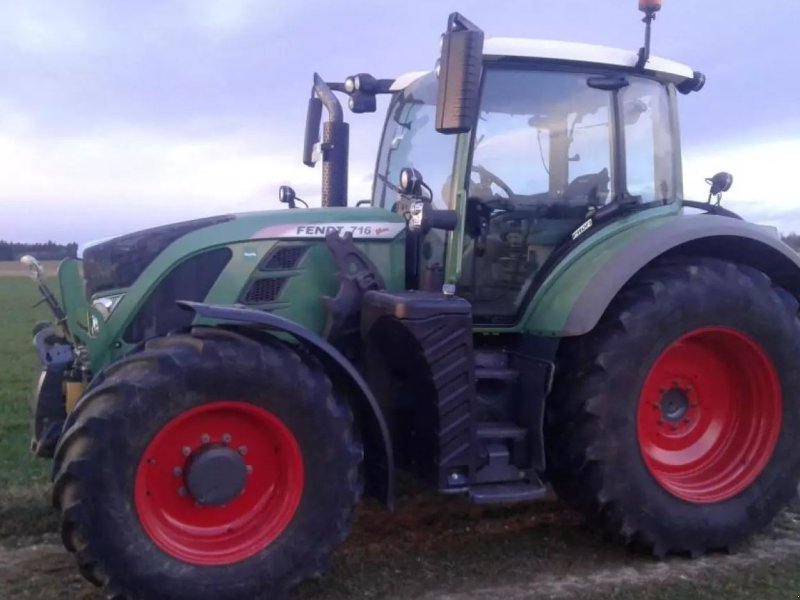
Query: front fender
{"x": 381, "y": 472}
{"x": 574, "y": 297}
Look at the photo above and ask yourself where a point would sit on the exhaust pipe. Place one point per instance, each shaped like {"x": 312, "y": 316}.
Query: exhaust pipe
{"x": 335, "y": 142}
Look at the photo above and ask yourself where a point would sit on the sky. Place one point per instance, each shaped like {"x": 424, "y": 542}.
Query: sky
{"x": 116, "y": 116}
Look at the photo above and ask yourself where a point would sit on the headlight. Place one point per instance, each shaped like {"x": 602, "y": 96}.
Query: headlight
{"x": 94, "y": 326}
{"x": 106, "y": 305}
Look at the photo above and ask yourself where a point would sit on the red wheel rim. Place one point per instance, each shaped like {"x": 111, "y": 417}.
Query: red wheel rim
{"x": 229, "y": 533}
{"x": 709, "y": 415}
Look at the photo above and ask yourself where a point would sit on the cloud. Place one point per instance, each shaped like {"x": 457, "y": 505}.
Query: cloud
{"x": 761, "y": 190}
{"x": 119, "y": 115}
{"x": 81, "y": 188}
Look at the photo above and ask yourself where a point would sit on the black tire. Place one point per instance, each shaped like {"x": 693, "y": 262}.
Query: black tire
{"x": 106, "y": 436}
{"x": 595, "y": 460}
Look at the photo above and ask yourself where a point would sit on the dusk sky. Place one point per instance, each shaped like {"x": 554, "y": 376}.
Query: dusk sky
{"x": 116, "y": 116}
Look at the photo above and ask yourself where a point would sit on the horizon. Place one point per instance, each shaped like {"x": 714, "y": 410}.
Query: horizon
{"x": 115, "y": 119}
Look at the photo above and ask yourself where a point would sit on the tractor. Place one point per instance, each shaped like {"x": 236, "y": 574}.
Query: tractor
{"x": 527, "y": 302}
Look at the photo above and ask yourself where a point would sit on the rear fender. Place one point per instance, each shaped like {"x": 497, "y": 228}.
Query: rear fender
{"x": 374, "y": 430}
{"x": 573, "y": 299}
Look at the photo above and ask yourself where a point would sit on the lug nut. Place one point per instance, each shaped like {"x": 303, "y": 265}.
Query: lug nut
{"x": 243, "y": 450}
{"x": 205, "y": 438}
{"x": 177, "y": 471}
{"x": 226, "y": 438}
{"x": 186, "y": 451}
{"x": 182, "y": 492}
{"x": 249, "y": 469}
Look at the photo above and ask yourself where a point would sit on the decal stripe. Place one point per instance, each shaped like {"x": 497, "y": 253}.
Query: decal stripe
{"x": 360, "y": 230}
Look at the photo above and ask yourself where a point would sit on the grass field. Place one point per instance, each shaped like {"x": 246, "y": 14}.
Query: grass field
{"x": 433, "y": 548}
{"x": 14, "y": 268}
{"x": 18, "y": 360}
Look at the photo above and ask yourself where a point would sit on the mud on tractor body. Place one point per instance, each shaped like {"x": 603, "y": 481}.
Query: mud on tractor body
{"x": 524, "y": 301}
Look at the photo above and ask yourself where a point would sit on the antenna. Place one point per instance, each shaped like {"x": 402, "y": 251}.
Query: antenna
{"x": 649, "y": 8}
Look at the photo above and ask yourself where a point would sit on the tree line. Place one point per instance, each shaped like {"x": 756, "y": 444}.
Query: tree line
{"x": 51, "y": 251}
{"x": 793, "y": 240}
{"x": 43, "y": 251}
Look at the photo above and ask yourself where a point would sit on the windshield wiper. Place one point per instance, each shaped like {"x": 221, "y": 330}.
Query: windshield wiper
{"x": 388, "y": 183}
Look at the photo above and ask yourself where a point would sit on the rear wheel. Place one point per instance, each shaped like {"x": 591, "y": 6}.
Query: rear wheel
{"x": 672, "y": 424}
{"x": 208, "y": 466}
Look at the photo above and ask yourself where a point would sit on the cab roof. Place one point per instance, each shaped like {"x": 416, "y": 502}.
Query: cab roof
{"x": 575, "y": 52}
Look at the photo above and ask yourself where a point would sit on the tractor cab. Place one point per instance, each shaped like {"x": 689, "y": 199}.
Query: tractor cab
{"x": 563, "y": 132}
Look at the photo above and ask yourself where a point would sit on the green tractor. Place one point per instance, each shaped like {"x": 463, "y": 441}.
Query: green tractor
{"x": 524, "y": 302}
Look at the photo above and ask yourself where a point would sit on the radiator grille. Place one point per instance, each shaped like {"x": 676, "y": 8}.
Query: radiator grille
{"x": 286, "y": 257}
{"x": 190, "y": 280}
{"x": 265, "y": 290}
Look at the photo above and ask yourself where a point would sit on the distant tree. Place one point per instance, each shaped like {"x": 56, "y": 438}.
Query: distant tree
{"x": 792, "y": 240}
{"x": 43, "y": 251}
{"x": 6, "y": 251}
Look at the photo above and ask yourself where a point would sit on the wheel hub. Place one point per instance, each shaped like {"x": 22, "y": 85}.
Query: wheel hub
{"x": 219, "y": 482}
{"x": 674, "y": 405}
{"x": 709, "y": 414}
{"x": 216, "y": 475}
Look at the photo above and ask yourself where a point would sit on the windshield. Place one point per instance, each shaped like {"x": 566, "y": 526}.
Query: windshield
{"x": 543, "y": 136}
{"x": 411, "y": 140}
{"x": 547, "y": 137}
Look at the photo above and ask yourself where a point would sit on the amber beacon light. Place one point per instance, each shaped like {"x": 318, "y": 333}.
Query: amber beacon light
{"x": 649, "y": 5}
{"x": 649, "y": 8}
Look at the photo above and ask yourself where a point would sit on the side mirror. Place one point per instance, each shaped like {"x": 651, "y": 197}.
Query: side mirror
{"x": 459, "y": 70}
{"x": 287, "y": 195}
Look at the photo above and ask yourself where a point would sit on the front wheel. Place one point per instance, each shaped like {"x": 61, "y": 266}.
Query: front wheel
{"x": 208, "y": 466}
{"x": 674, "y": 423}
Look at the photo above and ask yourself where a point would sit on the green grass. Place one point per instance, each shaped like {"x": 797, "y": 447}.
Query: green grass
{"x": 18, "y": 467}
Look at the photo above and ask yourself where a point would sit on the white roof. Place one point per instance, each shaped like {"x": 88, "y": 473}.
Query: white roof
{"x": 567, "y": 51}
{"x": 574, "y": 51}
{"x": 406, "y": 79}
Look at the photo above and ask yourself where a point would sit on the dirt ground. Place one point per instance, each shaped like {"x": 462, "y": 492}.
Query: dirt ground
{"x": 439, "y": 548}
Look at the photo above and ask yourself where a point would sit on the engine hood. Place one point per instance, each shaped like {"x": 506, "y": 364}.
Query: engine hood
{"x": 117, "y": 262}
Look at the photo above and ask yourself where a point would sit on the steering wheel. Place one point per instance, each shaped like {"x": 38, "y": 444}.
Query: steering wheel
{"x": 485, "y": 181}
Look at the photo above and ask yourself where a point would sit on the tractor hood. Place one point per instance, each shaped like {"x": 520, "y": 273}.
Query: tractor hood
{"x": 117, "y": 262}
